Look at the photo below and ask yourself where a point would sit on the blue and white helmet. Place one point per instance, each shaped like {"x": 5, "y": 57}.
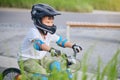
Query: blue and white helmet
{"x": 38, "y": 12}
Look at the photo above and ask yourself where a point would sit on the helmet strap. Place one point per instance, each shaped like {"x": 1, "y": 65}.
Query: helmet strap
{"x": 42, "y": 31}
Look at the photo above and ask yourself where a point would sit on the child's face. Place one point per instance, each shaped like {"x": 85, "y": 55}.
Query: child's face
{"x": 48, "y": 20}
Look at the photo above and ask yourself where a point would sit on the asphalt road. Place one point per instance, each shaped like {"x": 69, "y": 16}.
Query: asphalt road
{"x": 21, "y": 16}
{"x": 14, "y": 24}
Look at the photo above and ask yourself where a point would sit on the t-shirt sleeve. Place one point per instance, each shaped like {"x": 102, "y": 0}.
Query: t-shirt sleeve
{"x": 33, "y": 35}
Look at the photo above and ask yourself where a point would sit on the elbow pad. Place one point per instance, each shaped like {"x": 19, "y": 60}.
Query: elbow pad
{"x": 37, "y": 44}
{"x": 61, "y": 42}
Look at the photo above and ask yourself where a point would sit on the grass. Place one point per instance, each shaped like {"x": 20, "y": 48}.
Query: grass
{"x": 112, "y": 5}
{"x": 109, "y": 72}
{"x": 63, "y": 5}
{"x": 0, "y": 76}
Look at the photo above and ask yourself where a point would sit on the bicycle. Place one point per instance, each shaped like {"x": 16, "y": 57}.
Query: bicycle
{"x": 74, "y": 65}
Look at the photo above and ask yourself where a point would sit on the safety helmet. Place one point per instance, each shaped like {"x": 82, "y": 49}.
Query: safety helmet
{"x": 38, "y": 12}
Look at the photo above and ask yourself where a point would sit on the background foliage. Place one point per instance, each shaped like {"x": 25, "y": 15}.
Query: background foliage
{"x": 63, "y": 5}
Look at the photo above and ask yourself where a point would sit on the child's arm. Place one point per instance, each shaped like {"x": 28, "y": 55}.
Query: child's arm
{"x": 64, "y": 43}
{"x": 68, "y": 44}
{"x": 41, "y": 46}
{"x": 45, "y": 47}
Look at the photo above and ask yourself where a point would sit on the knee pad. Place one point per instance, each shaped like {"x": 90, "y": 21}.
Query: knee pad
{"x": 55, "y": 65}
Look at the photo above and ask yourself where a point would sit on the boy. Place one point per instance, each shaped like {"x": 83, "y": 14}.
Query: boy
{"x": 36, "y": 43}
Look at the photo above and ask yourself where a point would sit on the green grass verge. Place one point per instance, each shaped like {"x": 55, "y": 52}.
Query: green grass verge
{"x": 63, "y": 5}
{"x": 108, "y": 72}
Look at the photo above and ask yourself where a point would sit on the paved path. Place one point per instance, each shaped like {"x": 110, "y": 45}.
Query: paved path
{"x": 22, "y": 16}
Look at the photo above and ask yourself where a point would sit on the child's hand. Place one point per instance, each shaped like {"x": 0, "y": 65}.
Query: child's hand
{"x": 76, "y": 48}
{"x": 55, "y": 52}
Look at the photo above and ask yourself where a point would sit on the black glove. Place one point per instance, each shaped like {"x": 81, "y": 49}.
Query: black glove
{"x": 76, "y": 48}
{"x": 55, "y": 52}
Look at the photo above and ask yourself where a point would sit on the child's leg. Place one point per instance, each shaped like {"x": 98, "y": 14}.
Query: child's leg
{"x": 50, "y": 63}
{"x": 31, "y": 67}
